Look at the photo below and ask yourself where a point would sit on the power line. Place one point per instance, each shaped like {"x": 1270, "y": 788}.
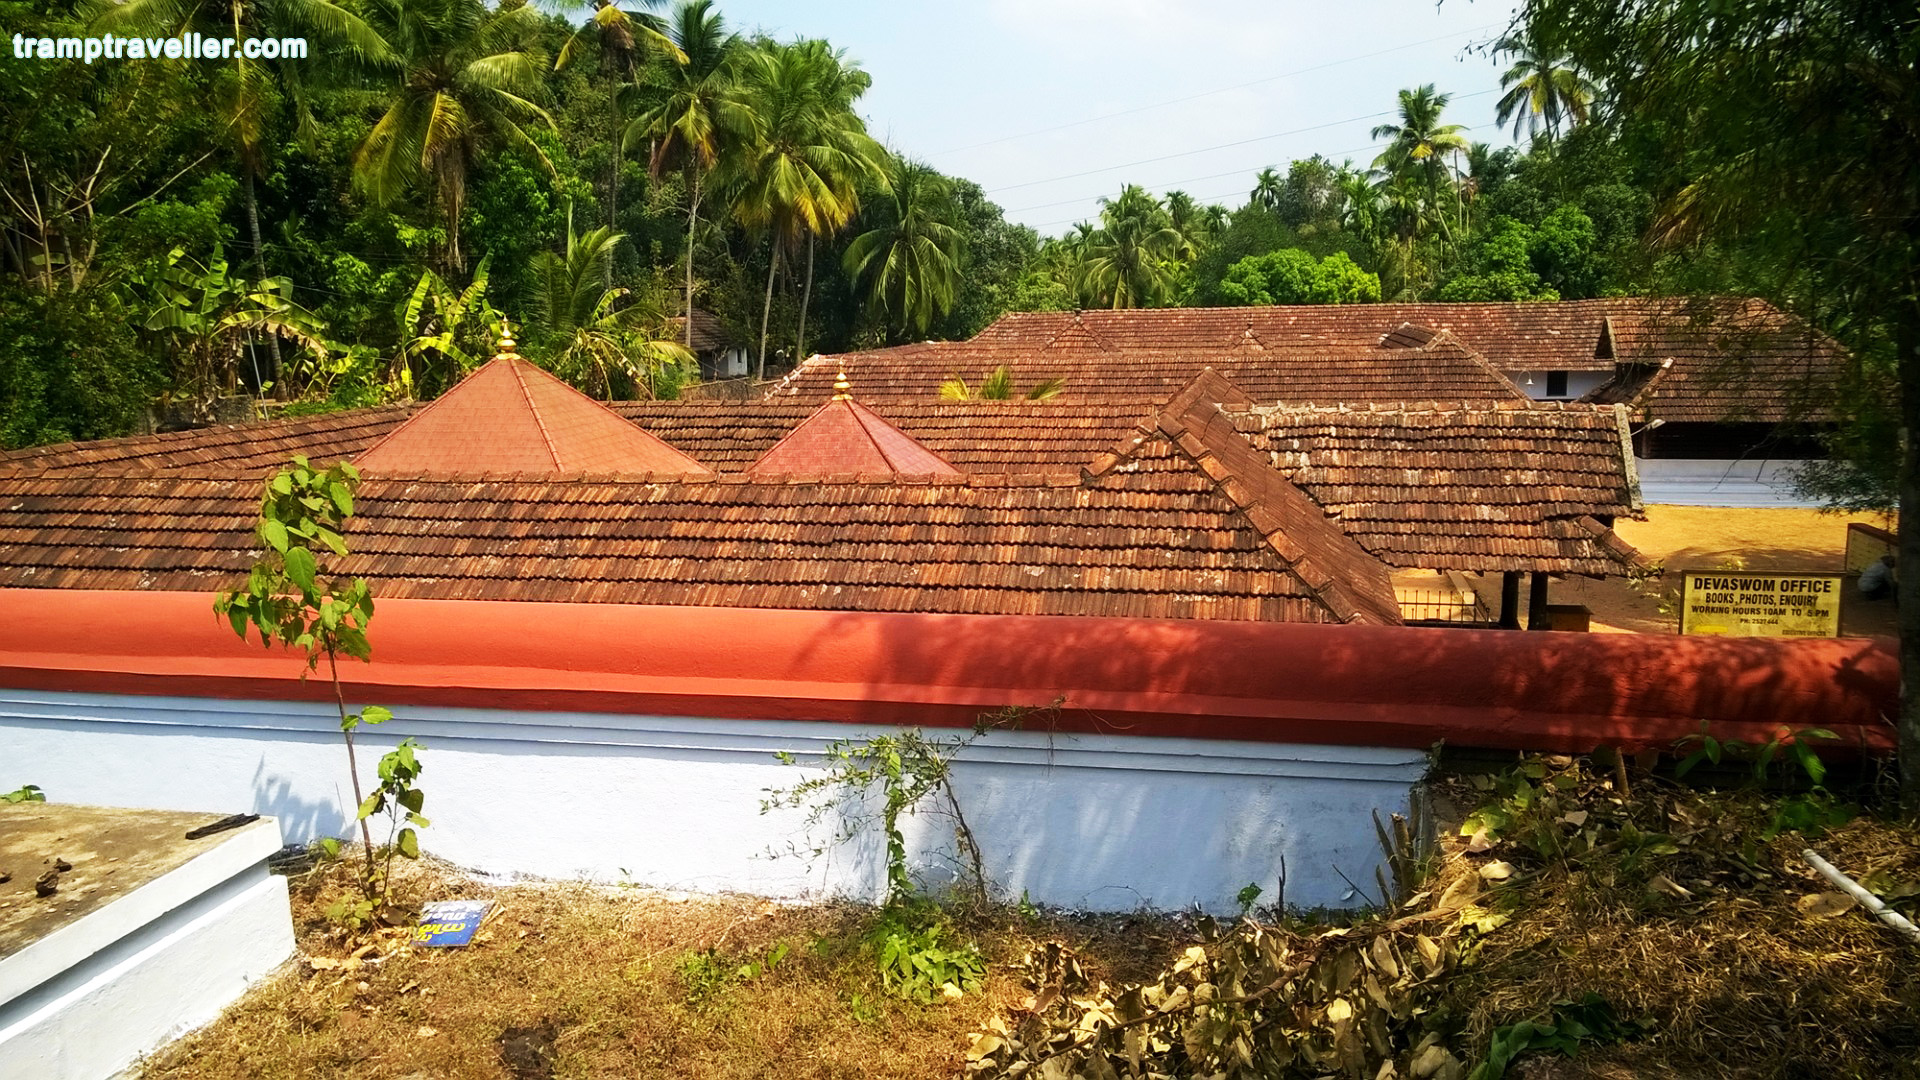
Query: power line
{"x": 1219, "y": 146}
{"x": 1202, "y": 200}
{"x": 1190, "y": 180}
{"x": 1210, "y": 93}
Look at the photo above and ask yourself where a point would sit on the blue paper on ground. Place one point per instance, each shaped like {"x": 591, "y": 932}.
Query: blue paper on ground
{"x": 450, "y": 922}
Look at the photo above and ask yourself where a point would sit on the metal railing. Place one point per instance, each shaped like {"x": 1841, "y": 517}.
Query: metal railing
{"x": 1443, "y": 606}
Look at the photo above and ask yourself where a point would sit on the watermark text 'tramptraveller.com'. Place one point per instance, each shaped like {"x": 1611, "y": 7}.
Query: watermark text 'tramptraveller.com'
{"x": 185, "y": 47}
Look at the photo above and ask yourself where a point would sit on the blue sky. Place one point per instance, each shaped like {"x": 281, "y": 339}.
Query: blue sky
{"x": 973, "y": 86}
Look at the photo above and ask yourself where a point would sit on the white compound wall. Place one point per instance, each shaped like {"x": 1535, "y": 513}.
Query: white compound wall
{"x": 1101, "y": 822}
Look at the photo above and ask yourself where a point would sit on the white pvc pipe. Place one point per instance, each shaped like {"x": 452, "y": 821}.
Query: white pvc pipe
{"x": 1867, "y": 900}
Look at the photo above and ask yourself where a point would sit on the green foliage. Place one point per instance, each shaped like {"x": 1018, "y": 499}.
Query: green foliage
{"x": 1498, "y": 266}
{"x": 70, "y": 368}
{"x": 1292, "y": 276}
{"x": 916, "y": 962}
{"x": 1589, "y": 1021}
{"x": 910, "y": 259}
{"x": 1795, "y": 745}
{"x": 708, "y": 974}
{"x": 290, "y": 600}
{"x": 207, "y": 316}
{"x": 1248, "y": 896}
{"x": 396, "y": 797}
{"x": 24, "y": 794}
{"x": 287, "y": 599}
{"x": 997, "y": 385}
{"x": 906, "y": 768}
{"x": 903, "y": 769}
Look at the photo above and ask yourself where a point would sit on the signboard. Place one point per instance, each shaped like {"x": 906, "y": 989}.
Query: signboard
{"x": 1865, "y": 545}
{"x": 450, "y": 922}
{"x": 1738, "y": 603}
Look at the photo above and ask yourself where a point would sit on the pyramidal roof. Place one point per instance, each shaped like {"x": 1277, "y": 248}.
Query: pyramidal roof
{"x": 511, "y": 417}
{"x": 1076, "y": 335}
{"x": 844, "y": 436}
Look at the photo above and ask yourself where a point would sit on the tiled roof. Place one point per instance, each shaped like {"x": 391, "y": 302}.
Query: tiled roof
{"x": 1166, "y": 540}
{"x": 1323, "y": 376}
{"x": 844, "y": 437}
{"x": 257, "y": 446}
{"x": 1458, "y": 486}
{"x": 1441, "y": 488}
{"x": 1513, "y": 337}
{"x": 709, "y": 333}
{"x": 1773, "y": 352}
{"x": 510, "y": 417}
{"x": 975, "y": 436}
{"x": 1714, "y": 360}
{"x": 1193, "y": 437}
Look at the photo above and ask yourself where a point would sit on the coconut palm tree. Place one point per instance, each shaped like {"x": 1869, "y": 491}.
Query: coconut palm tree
{"x": 691, "y": 116}
{"x": 594, "y": 331}
{"x": 244, "y": 95}
{"x": 468, "y": 82}
{"x": 841, "y": 84}
{"x": 1269, "y": 187}
{"x": 1190, "y": 221}
{"x": 626, "y": 39}
{"x": 802, "y": 168}
{"x": 1130, "y": 261}
{"x": 1541, "y": 88}
{"x": 1420, "y": 143}
{"x": 910, "y": 263}
{"x": 998, "y": 386}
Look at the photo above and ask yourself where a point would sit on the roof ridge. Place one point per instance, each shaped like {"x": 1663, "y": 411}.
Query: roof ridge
{"x": 539, "y": 421}
{"x": 1175, "y": 421}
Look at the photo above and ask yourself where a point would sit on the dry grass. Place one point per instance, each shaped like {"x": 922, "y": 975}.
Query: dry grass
{"x": 573, "y": 980}
{"x": 576, "y": 980}
{"x": 1738, "y": 979}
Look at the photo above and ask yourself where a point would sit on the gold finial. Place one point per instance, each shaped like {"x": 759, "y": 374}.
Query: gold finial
{"x": 507, "y": 343}
{"x": 842, "y": 389}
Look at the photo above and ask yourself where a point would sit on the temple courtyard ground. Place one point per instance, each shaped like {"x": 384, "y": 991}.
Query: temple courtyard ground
{"x": 1682, "y": 538}
{"x": 1715, "y": 951}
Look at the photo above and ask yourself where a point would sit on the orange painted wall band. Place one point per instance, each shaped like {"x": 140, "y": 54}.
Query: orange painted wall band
{"x": 1384, "y": 686}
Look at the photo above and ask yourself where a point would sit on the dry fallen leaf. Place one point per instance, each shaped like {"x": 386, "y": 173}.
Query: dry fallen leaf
{"x": 1575, "y": 818}
{"x": 1478, "y": 842}
{"x": 426, "y": 1032}
{"x": 1661, "y": 883}
{"x": 1498, "y": 870}
{"x": 322, "y": 963}
{"x": 951, "y": 992}
{"x": 1825, "y": 905}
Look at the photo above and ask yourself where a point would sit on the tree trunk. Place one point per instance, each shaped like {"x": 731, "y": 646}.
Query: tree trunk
{"x": 1907, "y": 581}
{"x": 800, "y": 339}
{"x": 693, "y": 219}
{"x": 766, "y": 309}
{"x": 613, "y": 187}
{"x": 260, "y": 277}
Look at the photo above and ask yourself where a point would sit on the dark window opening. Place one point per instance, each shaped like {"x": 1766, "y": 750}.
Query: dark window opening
{"x": 1556, "y": 384}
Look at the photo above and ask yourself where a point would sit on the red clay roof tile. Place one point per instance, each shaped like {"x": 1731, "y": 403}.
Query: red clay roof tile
{"x": 845, "y": 436}
{"x": 510, "y": 417}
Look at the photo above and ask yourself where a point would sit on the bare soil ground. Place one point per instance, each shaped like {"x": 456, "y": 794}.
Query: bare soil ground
{"x": 1682, "y": 538}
